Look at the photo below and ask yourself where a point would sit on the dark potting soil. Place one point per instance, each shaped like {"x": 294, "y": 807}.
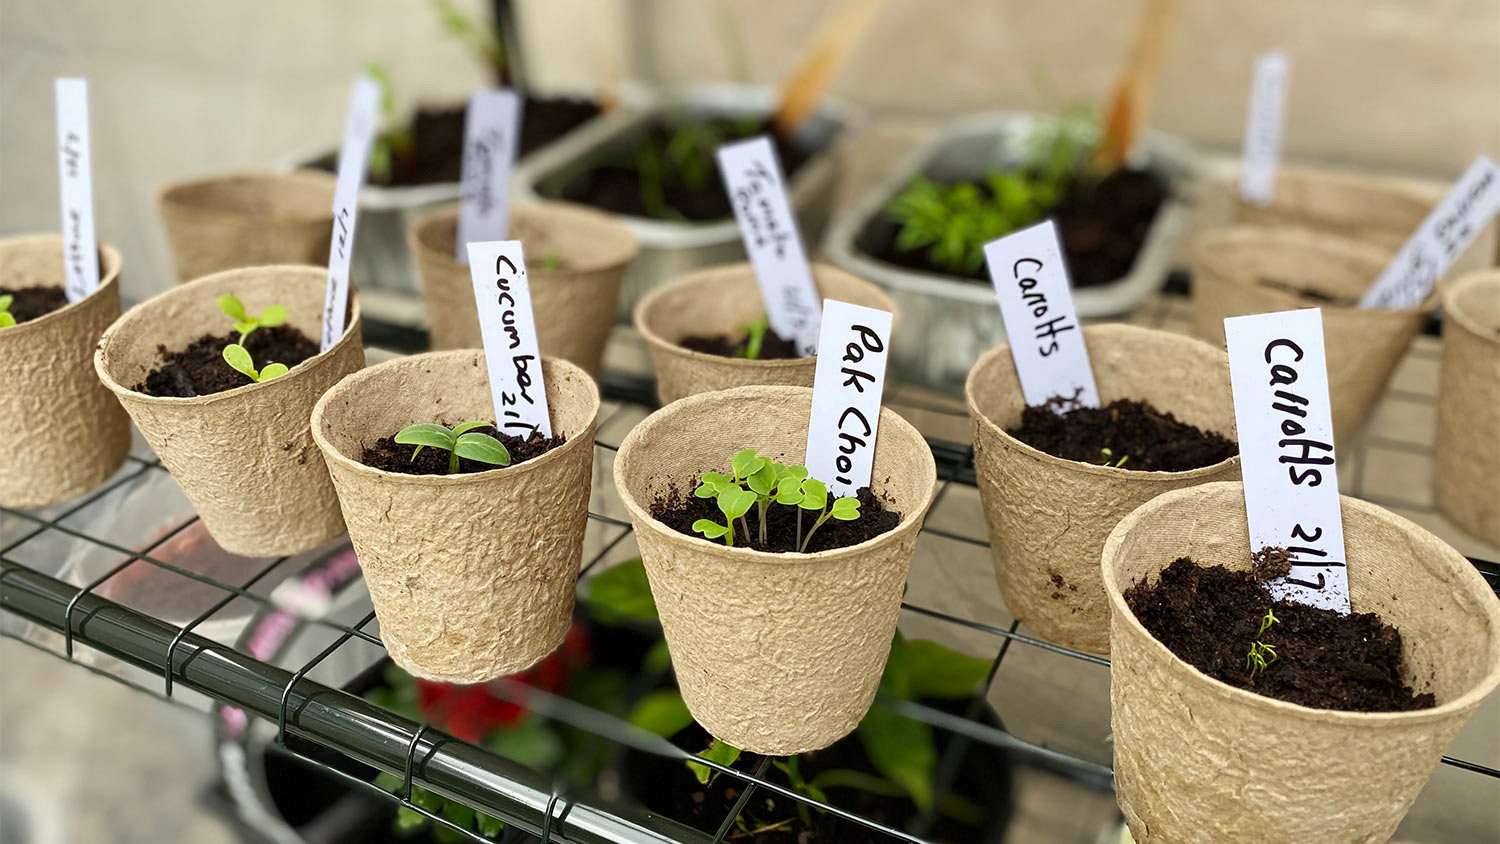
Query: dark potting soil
{"x": 200, "y": 370}
{"x": 437, "y": 134}
{"x": 1102, "y": 225}
{"x": 33, "y": 302}
{"x": 1150, "y": 440}
{"x": 615, "y": 184}
{"x": 388, "y": 455}
{"x": 772, "y": 347}
{"x": 1208, "y": 617}
{"x": 678, "y": 511}
{"x": 1306, "y": 292}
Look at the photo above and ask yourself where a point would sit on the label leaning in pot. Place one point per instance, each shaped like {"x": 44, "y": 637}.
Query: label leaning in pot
{"x": 853, "y": 345}
{"x": 75, "y": 176}
{"x": 511, "y": 353}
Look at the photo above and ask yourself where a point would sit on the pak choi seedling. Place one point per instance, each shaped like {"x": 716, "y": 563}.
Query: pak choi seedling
{"x": 760, "y": 482}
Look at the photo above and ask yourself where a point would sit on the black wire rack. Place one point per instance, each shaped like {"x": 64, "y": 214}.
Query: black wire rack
{"x": 309, "y": 714}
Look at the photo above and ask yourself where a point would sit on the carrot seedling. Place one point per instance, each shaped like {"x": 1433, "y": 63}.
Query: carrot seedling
{"x": 460, "y": 441}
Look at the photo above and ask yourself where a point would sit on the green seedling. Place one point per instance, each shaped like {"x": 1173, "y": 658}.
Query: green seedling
{"x": 394, "y": 141}
{"x": 245, "y": 323}
{"x": 1257, "y": 660}
{"x": 551, "y": 261}
{"x": 755, "y": 337}
{"x": 759, "y": 482}
{"x": 6, "y": 318}
{"x": 484, "y": 41}
{"x": 460, "y": 441}
{"x": 1106, "y": 455}
{"x": 719, "y": 752}
{"x": 239, "y": 359}
{"x": 815, "y": 499}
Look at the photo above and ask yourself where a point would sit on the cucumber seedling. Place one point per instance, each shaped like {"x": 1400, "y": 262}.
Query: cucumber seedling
{"x": 760, "y": 482}
{"x": 245, "y": 323}
{"x": 6, "y": 318}
{"x": 238, "y": 357}
{"x": 459, "y": 441}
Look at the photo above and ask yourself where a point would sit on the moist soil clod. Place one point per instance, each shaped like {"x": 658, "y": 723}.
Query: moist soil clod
{"x": 1209, "y": 617}
{"x": 200, "y": 369}
{"x": 678, "y": 511}
{"x": 772, "y": 347}
{"x": 1149, "y": 439}
{"x": 388, "y": 455}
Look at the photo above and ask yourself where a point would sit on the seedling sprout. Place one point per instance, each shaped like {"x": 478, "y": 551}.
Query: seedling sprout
{"x": 460, "y": 441}
{"x": 245, "y": 323}
{"x": 6, "y": 318}
{"x": 760, "y": 482}
{"x": 239, "y": 358}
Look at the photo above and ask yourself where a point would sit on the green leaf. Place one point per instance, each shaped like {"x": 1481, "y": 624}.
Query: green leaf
{"x": 272, "y": 316}
{"x": 532, "y": 743}
{"x": 662, "y": 712}
{"x": 622, "y": 591}
{"x": 798, "y": 472}
{"x": 789, "y": 491}
{"x": 465, "y": 427}
{"x": 746, "y": 462}
{"x": 814, "y": 495}
{"x": 938, "y": 672}
{"x": 5, "y": 301}
{"x": 901, "y": 749}
{"x": 458, "y": 814}
{"x": 389, "y": 782}
{"x": 239, "y": 359}
{"x": 710, "y": 484}
{"x": 763, "y": 480}
{"x": 272, "y": 370}
{"x": 245, "y": 328}
{"x": 489, "y": 827}
{"x": 735, "y": 502}
{"x": 425, "y": 799}
{"x": 845, "y": 509}
{"x": 426, "y": 433}
{"x": 717, "y": 752}
{"x": 232, "y": 307}
{"x": 6, "y": 320}
{"x": 482, "y": 447}
{"x": 408, "y": 820}
{"x": 709, "y": 528}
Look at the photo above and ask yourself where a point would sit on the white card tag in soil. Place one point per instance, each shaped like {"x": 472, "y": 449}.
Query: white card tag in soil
{"x": 1263, "y": 127}
{"x": 354, "y": 159}
{"x": 492, "y": 127}
{"x": 75, "y": 175}
{"x": 1279, "y": 374}
{"x": 1440, "y": 240}
{"x": 1036, "y": 304}
{"x": 853, "y": 346}
{"x": 511, "y": 353}
{"x": 757, "y": 190}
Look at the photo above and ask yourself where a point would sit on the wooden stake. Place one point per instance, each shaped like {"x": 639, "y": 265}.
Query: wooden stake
{"x": 1135, "y": 88}
{"x": 804, "y": 88}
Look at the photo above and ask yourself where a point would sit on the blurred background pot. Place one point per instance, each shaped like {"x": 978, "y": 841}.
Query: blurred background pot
{"x": 1467, "y": 458}
{"x": 247, "y": 220}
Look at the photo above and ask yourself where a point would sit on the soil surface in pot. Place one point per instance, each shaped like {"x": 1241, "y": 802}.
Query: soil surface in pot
{"x": 390, "y": 456}
{"x": 772, "y": 347}
{"x": 1102, "y": 226}
{"x": 437, "y": 135}
{"x": 686, "y": 183}
{"x": 678, "y": 511}
{"x": 1306, "y": 292}
{"x": 1148, "y": 439}
{"x": 1209, "y": 617}
{"x": 200, "y": 369}
{"x": 33, "y": 302}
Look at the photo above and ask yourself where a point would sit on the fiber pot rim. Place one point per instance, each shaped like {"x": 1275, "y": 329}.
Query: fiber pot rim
{"x": 145, "y": 309}
{"x": 446, "y": 216}
{"x": 642, "y": 518}
{"x": 1102, "y": 471}
{"x": 1453, "y": 309}
{"x": 109, "y": 276}
{"x": 357, "y": 379}
{"x": 1206, "y": 254}
{"x": 170, "y": 196}
{"x": 1238, "y": 696}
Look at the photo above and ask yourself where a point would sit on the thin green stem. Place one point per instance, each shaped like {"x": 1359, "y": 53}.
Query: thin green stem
{"x": 827, "y": 512}
{"x": 762, "y": 504}
{"x": 452, "y": 462}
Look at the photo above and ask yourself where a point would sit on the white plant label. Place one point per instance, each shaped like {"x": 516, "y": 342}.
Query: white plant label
{"x": 354, "y": 160}
{"x": 1263, "y": 127}
{"x": 853, "y": 345}
{"x": 511, "y": 353}
{"x": 757, "y": 190}
{"x": 1439, "y": 241}
{"x": 1036, "y": 304}
{"x": 76, "y": 180}
{"x": 492, "y": 131}
{"x": 1279, "y": 375}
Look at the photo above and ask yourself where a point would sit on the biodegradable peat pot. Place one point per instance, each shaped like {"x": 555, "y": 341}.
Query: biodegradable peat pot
{"x": 1363, "y": 344}
{"x": 1200, "y": 762}
{"x": 244, "y": 457}
{"x": 247, "y": 220}
{"x": 574, "y": 307}
{"x": 775, "y": 653}
{"x": 1468, "y": 428}
{"x": 66, "y": 434}
{"x": 1048, "y": 517}
{"x": 472, "y": 575}
{"x": 719, "y": 300}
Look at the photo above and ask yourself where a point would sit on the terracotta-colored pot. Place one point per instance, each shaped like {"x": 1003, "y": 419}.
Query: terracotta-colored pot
{"x": 247, "y": 220}
{"x": 574, "y": 305}
{"x": 67, "y": 434}
{"x": 472, "y": 575}
{"x": 1467, "y": 459}
{"x": 720, "y": 300}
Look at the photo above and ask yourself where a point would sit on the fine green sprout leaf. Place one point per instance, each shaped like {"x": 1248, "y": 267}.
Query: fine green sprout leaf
{"x": 710, "y": 529}
{"x": 272, "y": 370}
{"x": 814, "y": 494}
{"x": 244, "y": 322}
{"x": 845, "y": 509}
{"x": 735, "y": 502}
{"x": 745, "y": 463}
{"x": 7, "y": 319}
{"x": 755, "y": 337}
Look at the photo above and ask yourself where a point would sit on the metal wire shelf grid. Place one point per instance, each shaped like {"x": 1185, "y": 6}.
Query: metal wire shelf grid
{"x": 335, "y": 720}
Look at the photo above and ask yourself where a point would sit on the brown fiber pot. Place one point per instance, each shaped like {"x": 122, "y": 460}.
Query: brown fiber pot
{"x": 244, "y": 457}
{"x": 574, "y": 305}
{"x": 247, "y": 220}
{"x": 1363, "y": 344}
{"x": 719, "y": 300}
{"x": 66, "y": 433}
{"x": 1200, "y": 762}
{"x": 472, "y": 575}
{"x": 1468, "y": 427}
{"x": 1047, "y": 516}
{"x": 775, "y": 653}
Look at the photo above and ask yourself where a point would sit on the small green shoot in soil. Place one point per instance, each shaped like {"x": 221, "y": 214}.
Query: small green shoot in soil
{"x": 460, "y": 441}
{"x": 1257, "y": 660}
{"x": 1106, "y": 455}
{"x": 245, "y": 323}
{"x": 6, "y": 318}
{"x": 239, "y": 358}
{"x": 760, "y": 482}
{"x": 551, "y": 261}
{"x": 755, "y": 337}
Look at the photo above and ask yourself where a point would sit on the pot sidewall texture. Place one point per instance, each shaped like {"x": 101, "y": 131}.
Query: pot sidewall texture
{"x": 1467, "y": 457}
{"x": 247, "y": 220}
